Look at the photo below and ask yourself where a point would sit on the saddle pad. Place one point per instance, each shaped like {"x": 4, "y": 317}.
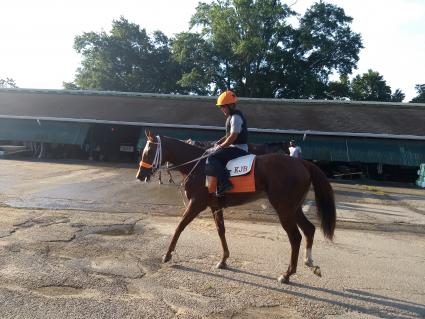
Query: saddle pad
{"x": 240, "y": 165}
{"x": 241, "y": 184}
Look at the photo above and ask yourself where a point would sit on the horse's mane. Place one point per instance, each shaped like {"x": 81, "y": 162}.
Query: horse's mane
{"x": 186, "y": 145}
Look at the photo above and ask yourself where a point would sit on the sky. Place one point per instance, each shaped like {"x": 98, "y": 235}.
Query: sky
{"x": 36, "y": 37}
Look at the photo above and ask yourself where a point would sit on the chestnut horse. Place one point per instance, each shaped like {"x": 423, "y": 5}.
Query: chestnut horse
{"x": 283, "y": 179}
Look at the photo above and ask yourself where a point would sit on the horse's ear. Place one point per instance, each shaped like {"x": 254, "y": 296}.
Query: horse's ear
{"x": 149, "y": 135}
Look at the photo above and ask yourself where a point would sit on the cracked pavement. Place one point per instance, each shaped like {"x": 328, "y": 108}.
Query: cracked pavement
{"x": 80, "y": 240}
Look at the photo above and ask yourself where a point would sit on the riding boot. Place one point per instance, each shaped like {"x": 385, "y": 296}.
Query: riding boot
{"x": 223, "y": 187}
{"x": 223, "y": 183}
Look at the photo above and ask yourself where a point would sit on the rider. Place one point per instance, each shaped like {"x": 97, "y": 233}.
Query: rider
{"x": 230, "y": 146}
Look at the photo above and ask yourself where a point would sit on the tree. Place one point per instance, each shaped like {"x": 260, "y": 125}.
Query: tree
{"x": 339, "y": 90}
{"x": 70, "y": 86}
{"x": 250, "y": 46}
{"x": 398, "y": 96}
{"x": 197, "y": 62}
{"x": 325, "y": 45}
{"x": 7, "y": 83}
{"x": 371, "y": 86}
{"x": 127, "y": 59}
{"x": 420, "y": 89}
{"x": 238, "y": 38}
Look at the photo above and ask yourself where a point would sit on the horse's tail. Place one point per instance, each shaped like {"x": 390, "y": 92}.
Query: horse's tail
{"x": 325, "y": 200}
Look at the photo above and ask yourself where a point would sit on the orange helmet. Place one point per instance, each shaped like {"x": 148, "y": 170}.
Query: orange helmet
{"x": 225, "y": 98}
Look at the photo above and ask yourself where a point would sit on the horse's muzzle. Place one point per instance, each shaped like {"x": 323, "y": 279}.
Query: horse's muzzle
{"x": 143, "y": 176}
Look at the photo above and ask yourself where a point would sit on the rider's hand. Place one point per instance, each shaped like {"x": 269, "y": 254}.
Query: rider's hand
{"x": 213, "y": 149}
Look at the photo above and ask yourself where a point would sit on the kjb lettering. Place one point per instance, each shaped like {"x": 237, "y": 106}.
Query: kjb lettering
{"x": 241, "y": 169}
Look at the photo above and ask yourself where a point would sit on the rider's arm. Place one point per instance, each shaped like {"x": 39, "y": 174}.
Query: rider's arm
{"x": 221, "y": 140}
{"x": 229, "y": 140}
{"x": 235, "y": 129}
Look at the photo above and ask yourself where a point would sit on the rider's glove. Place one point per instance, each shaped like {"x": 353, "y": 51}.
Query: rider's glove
{"x": 213, "y": 149}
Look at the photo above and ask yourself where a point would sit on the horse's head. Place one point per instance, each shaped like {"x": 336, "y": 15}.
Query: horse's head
{"x": 151, "y": 157}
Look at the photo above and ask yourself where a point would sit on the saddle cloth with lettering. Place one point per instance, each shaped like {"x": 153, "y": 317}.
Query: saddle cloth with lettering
{"x": 241, "y": 171}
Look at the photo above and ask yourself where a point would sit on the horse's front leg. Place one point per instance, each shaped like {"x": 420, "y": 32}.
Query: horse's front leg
{"x": 219, "y": 222}
{"x": 193, "y": 209}
{"x": 170, "y": 178}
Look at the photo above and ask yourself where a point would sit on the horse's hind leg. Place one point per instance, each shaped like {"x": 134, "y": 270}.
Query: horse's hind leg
{"x": 308, "y": 229}
{"x": 219, "y": 222}
{"x": 294, "y": 236}
{"x": 288, "y": 220}
{"x": 192, "y": 210}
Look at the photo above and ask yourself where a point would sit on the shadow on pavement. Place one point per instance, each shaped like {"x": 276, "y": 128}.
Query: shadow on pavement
{"x": 373, "y": 300}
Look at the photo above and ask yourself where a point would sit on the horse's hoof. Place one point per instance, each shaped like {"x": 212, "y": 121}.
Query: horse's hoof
{"x": 317, "y": 271}
{"x": 283, "y": 279}
{"x": 308, "y": 262}
{"x": 221, "y": 265}
{"x": 166, "y": 258}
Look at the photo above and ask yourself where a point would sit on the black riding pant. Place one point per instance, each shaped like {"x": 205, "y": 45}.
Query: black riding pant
{"x": 218, "y": 160}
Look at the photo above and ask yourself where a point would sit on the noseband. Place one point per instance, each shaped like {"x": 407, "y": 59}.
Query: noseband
{"x": 156, "y": 164}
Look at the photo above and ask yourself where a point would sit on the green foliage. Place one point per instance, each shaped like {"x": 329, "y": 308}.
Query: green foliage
{"x": 251, "y": 47}
{"x": 70, "y": 86}
{"x": 238, "y": 36}
{"x": 245, "y": 45}
{"x": 195, "y": 58}
{"x": 327, "y": 42}
{"x": 127, "y": 59}
{"x": 398, "y": 96}
{"x": 7, "y": 83}
{"x": 371, "y": 86}
{"x": 420, "y": 89}
{"x": 339, "y": 90}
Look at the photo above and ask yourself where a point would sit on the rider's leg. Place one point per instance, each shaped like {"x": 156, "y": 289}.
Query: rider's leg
{"x": 218, "y": 161}
{"x": 218, "y": 168}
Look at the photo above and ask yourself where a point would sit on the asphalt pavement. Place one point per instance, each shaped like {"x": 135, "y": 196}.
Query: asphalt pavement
{"x": 85, "y": 240}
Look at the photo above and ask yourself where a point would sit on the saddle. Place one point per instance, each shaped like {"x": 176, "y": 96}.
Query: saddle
{"x": 241, "y": 171}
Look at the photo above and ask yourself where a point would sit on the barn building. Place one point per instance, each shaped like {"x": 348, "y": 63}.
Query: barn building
{"x": 374, "y": 138}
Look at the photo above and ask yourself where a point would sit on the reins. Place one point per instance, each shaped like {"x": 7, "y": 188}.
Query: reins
{"x": 198, "y": 159}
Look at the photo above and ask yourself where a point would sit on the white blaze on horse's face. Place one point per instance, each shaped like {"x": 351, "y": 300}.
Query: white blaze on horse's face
{"x": 149, "y": 152}
{"x": 146, "y": 148}
{"x": 147, "y": 158}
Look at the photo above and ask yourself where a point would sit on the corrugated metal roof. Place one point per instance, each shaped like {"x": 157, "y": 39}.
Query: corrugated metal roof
{"x": 270, "y": 114}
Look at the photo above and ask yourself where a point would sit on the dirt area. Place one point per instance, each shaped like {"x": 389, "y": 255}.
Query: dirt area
{"x": 79, "y": 240}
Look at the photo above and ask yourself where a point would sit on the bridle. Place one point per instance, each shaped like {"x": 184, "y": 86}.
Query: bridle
{"x": 157, "y": 160}
{"x": 156, "y": 164}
